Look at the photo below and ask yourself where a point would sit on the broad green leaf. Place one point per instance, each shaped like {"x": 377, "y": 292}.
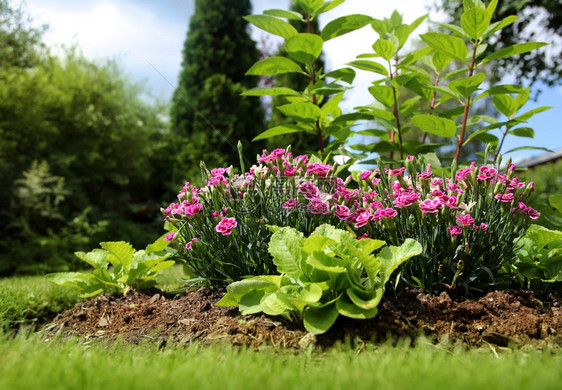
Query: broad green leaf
{"x": 273, "y": 91}
{"x": 491, "y": 8}
{"x": 369, "y": 245}
{"x": 414, "y": 56}
{"x": 344, "y": 25}
{"x": 455, "y": 29}
{"x": 523, "y": 132}
{"x": 522, "y": 98}
{"x": 71, "y": 279}
{"x": 518, "y": 48}
{"x": 279, "y": 130}
{"x": 441, "y": 60}
{"x": 348, "y": 309}
{"x": 159, "y": 245}
{"x": 120, "y": 253}
{"x": 310, "y": 6}
{"x": 281, "y": 13}
{"x": 366, "y": 303}
{"x": 96, "y": 258}
{"x": 500, "y": 90}
{"x": 402, "y": 33}
{"x": 235, "y": 291}
{"x": 494, "y": 27}
{"x": 373, "y": 133}
{"x": 555, "y": 201}
{"x": 392, "y": 256}
{"x": 475, "y": 22}
{"x": 467, "y": 86}
{"x": 383, "y": 94}
{"x": 381, "y": 26}
{"x": 304, "y": 48}
{"x": 331, "y": 232}
{"x": 304, "y": 112}
{"x": 395, "y": 19}
{"x": 384, "y": 48}
{"x": 331, "y": 107}
{"x": 527, "y": 115}
{"x": 318, "y": 320}
{"x": 276, "y": 304}
{"x": 272, "y": 25}
{"x": 328, "y": 5}
{"x": 528, "y": 148}
{"x": 274, "y": 65}
{"x": 541, "y": 236}
{"x": 300, "y": 297}
{"x": 452, "y": 46}
{"x": 370, "y": 66}
{"x": 284, "y": 246}
{"x": 162, "y": 265}
{"x": 505, "y": 104}
{"x": 250, "y": 303}
{"x": 432, "y": 124}
{"x": 416, "y": 23}
{"x": 321, "y": 261}
{"x": 344, "y": 74}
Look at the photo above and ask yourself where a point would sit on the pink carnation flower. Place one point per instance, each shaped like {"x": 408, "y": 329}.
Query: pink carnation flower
{"x": 342, "y": 212}
{"x": 291, "y": 204}
{"x": 226, "y": 225}
{"x": 363, "y": 218}
{"x": 506, "y": 198}
{"x": 386, "y": 213}
{"x": 465, "y": 220}
{"x": 316, "y": 206}
{"x": 454, "y": 231}
{"x": 170, "y": 236}
{"x": 309, "y": 190}
{"x": 431, "y": 206}
{"x": 318, "y": 169}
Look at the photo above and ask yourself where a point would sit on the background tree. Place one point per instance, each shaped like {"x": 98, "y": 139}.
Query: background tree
{"x": 208, "y": 114}
{"x": 77, "y": 146}
{"x": 298, "y": 82}
{"x": 538, "y": 20}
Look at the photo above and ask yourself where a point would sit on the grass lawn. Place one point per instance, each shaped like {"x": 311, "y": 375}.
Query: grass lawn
{"x": 30, "y": 361}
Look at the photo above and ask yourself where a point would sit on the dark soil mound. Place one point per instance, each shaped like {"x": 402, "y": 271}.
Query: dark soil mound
{"x": 500, "y": 318}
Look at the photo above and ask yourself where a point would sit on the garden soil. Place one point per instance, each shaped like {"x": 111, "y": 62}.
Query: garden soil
{"x": 499, "y": 318}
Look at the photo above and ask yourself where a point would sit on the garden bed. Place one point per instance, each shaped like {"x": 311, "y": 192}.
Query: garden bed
{"x": 502, "y": 318}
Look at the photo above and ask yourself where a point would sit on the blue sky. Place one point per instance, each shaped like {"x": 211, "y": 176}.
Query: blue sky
{"x": 147, "y": 37}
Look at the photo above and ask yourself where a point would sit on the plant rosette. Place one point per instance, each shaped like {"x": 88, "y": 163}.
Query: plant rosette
{"x": 466, "y": 222}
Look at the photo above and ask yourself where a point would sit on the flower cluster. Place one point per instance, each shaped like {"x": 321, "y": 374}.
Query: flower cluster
{"x": 472, "y": 216}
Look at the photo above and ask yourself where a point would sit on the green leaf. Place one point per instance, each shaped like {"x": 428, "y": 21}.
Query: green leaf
{"x": 467, "y": 86}
{"x": 274, "y": 65}
{"x": 272, "y": 25}
{"x": 475, "y": 22}
{"x": 304, "y": 48}
{"x": 541, "y": 236}
{"x": 344, "y": 25}
{"x": 392, "y": 256}
{"x": 323, "y": 262}
{"x": 96, "y": 258}
{"x": 344, "y": 74}
{"x": 71, "y": 279}
{"x": 395, "y": 19}
{"x": 276, "y": 304}
{"x": 494, "y": 27}
{"x": 555, "y": 201}
{"x": 284, "y": 246}
{"x": 527, "y": 115}
{"x": 331, "y": 232}
{"x": 384, "y": 48}
{"x": 235, "y": 291}
{"x": 300, "y": 297}
{"x": 279, "y": 130}
{"x": 500, "y": 90}
{"x": 159, "y": 245}
{"x": 318, "y": 320}
{"x": 331, "y": 107}
{"x": 455, "y": 29}
{"x": 432, "y": 124}
{"x": 518, "y": 48}
{"x": 305, "y": 112}
{"x": 250, "y": 303}
{"x": 370, "y": 66}
{"x": 528, "y": 148}
{"x": 120, "y": 253}
{"x": 281, "y": 13}
{"x": 505, "y": 104}
{"x": 370, "y": 303}
{"x": 526, "y": 132}
{"x": 347, "y": 308}
{"x": 452, "y": 46}
{"x": 383, "y": 94}
{"x": 441, "y": 60}
{"x": 273, "y": 91}
{"x": 328, "y": 5}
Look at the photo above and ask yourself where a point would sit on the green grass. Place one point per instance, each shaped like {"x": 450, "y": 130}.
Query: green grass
{"x": 29, "y": 363}
{"x": 29, "y": 299}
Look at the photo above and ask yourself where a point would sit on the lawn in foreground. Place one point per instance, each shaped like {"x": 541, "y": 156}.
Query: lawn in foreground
{"x": 29, "y": 362}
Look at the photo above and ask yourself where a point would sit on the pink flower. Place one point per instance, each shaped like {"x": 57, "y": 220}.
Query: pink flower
{"x": 291, "y": 204}
{"x": 397, "y": 172}
{"x": 484, "y": 227}
{"x": 316, "y": 206}
{"x": 425, "y": 175}
{"x": 386, "y": 213}
{"x": 188, "y": 245}
{"x": 463, "y": 174}
{"x": 215, "y": 214}
{"x": 449, "y": 201}
{"x": 364, "y": 218}
{"x": 532, "y": 213}
{"x": 219, "y": 171}
{"x": 193, "y": 209}
{"x": 430, "y": 206}
{"x": 170, "y": 236}
{"x": 342, "y": 212}
{"x": 290, "y": 171}
{"x": 365, "y": 175}
{"x": 516, "y": 183}
{"x": 506, "y": 198}
{"x": 302, "y": 159}
{"x": 487, "y": 173}
{"x": 465, "y": 220}
{"x": 318, "y": 169}
{"x": 226, "y": 225}
{"x": 365, "y": 235}
{"x": 309, "y": 190}
{"x": 406, "y": 200}
{"x": 454, "y": 231}
{"x": 217, "y": 180}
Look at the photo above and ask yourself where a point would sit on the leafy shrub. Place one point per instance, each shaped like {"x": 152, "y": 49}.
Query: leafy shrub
{"x": 322, "y": 276}
{"x": 465, "y": 220}
{"x": 129, "y": 268}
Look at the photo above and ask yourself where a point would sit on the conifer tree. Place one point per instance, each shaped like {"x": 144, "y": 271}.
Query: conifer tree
{"x": 208, "y": 114}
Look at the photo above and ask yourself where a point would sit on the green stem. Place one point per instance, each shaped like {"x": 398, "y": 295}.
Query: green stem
{"x": 433, "y": 100}
{"x": 314, "y": 99}
{"x": 396, "y": 116}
